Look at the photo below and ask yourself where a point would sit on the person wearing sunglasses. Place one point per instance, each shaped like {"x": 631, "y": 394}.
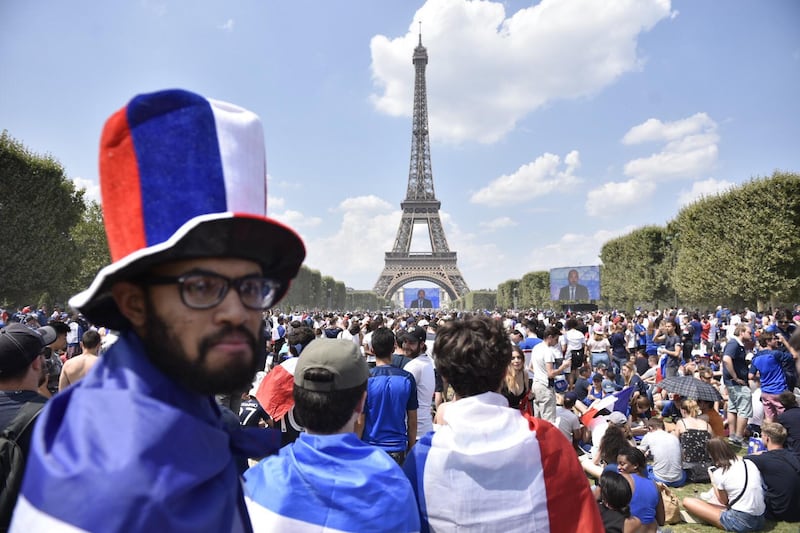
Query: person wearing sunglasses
{"x": 195, "y": 264}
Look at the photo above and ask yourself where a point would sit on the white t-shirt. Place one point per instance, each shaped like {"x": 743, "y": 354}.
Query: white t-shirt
{"x": 567, "y": 422}
{"x": 732, "y": 482}
{"x": 573, "y": 339}
{"x": 540, "y": 355}
{"x": 666, "y": 451}
{"x": 421, "y": 367}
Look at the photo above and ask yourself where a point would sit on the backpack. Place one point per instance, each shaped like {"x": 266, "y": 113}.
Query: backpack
{"x": 12, "y": 459}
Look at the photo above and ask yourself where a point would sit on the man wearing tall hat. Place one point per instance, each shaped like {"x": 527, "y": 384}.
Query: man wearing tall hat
{"x": 139, "y": 444}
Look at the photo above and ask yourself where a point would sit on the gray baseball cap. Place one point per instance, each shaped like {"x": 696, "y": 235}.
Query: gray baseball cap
{"x": 340, "y": 357}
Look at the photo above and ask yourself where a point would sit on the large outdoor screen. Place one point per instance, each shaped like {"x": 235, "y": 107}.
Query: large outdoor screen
{"x": 575, "y": 284}
{"x": 421, "y": 298}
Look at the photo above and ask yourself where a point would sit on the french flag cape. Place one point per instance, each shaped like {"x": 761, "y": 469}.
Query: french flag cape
{"x": 127, "y": 449}
{"x": 490, "y": 469}
{"x": 330, "y": 483}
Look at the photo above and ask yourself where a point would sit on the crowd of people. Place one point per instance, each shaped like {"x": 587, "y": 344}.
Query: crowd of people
{"x": 162, "y": 400}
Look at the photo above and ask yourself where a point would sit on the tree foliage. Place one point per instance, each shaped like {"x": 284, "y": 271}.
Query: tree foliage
{"x": 90, "y": 239}
{"x": 39, "y": 207}
{"x": 534, "y": 290}
{"x": 631, "y": 273}
{"x": 743, "y": 244}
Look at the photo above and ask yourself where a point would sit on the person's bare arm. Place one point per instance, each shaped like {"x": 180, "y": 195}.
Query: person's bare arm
{"x": 63, "y": 379}
{"x": 411, "y": 415}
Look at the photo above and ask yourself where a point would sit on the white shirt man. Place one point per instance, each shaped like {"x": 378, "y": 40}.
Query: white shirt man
{"x": 542, "y": 365}
{"x": 421, "y": 367}
{"x": 666, "y": 451}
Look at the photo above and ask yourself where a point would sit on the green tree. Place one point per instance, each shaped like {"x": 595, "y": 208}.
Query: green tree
{"x": 534, "y": 290}
{"x": 740, "y": 246}
{"x": 632, "y": 267}
{"x": 90, "y": 239}
{"x": 39, "y": 206}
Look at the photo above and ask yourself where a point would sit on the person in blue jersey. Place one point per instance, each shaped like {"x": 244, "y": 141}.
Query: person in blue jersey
{"x": 389, "y": 420}
{"x": 195, "y": 263}
{"x": 329, "y": 479}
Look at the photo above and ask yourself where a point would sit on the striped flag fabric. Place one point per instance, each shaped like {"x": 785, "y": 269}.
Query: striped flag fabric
{"x": 618, "y": 401}
{"x": 128, "y": 450}
{"x": 328, "y": 484}
{"x": 274, "y": 394}
{"x": 490, "y": 469}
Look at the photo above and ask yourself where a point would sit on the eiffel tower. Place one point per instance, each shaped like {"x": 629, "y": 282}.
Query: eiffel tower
{"x": 421, "y": 206}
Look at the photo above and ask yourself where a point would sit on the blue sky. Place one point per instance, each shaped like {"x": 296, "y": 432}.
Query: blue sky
{"x": 555, "y": 125}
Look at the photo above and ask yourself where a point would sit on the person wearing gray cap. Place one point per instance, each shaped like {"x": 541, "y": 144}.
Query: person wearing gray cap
{"x": 22, "y": 371}
{"x": 329, "y": 479}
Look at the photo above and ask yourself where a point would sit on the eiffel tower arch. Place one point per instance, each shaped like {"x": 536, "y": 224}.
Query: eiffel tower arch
{"x": 421, "y": 207}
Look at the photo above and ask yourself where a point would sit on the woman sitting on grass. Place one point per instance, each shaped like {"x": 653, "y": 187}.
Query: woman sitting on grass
{"x": 614, "y": 504}
{"x": 739, "y": 496}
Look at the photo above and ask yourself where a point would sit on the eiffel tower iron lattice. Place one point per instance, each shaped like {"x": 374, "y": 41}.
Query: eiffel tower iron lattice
{"x": 420, "y": 206}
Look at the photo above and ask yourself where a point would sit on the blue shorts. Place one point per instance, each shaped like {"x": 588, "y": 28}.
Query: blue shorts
{"x": 740, "y": 522}
{"x": 598, "y": 358}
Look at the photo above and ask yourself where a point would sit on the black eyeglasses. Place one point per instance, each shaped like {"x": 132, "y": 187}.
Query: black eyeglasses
{"x": 203, "y": 290}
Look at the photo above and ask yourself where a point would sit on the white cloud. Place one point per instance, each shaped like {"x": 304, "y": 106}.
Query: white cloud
{"x": 227, "y": 26}
{"x": 612, "y": 197}
{"x": 275, "y": 202}
{"x": 703, "y": 188}
{"x": 655, "y": 130}
{"x": 498, "y": 223}
{"x": 296, "y": 220}
{"x": 538, "y": 178}
{"x": 690, "y": 151}
{"x": 355, "y": 251}
{"x": 493, "y": 69}
{"x": 572, "y": 249}
{"x": 91, "y": 187}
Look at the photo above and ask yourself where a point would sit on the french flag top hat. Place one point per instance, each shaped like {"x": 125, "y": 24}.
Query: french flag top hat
{"x": 184, "y": 177}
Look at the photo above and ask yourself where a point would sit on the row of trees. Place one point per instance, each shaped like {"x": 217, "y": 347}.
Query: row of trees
{"x": 311, "y": 290}
{"x": 739, "y": 248}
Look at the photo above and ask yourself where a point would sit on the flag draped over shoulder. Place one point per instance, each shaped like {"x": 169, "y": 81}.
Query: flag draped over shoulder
{"x": 330, "y": 483}
{"x": 127, "y": 449}
{"x": 490, "y": 469}
{"x": 618, "y": 401}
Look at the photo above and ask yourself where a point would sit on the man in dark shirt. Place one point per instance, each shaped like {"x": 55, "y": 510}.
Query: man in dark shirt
{"x": 734, "y": 377}
{"x": 583, "y": 383}
{"x": 22, "y": 371}
{"x": 780, "y": 470}
{"x": 22, "y": 367}
{"x": 790, "y": 419}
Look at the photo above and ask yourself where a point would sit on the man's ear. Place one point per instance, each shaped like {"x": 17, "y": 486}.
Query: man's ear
{"x": 360, "y": 406}
{"x": 130, "y": 300}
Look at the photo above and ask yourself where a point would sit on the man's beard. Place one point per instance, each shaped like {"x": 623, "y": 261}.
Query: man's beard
{"x": 164, "y": 350}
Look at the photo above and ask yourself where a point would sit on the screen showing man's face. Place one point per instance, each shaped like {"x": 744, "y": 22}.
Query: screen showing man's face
{"x": 572, "y": 277}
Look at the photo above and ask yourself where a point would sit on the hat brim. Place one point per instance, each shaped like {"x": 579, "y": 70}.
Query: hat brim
{"x": 276, "y": 248}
